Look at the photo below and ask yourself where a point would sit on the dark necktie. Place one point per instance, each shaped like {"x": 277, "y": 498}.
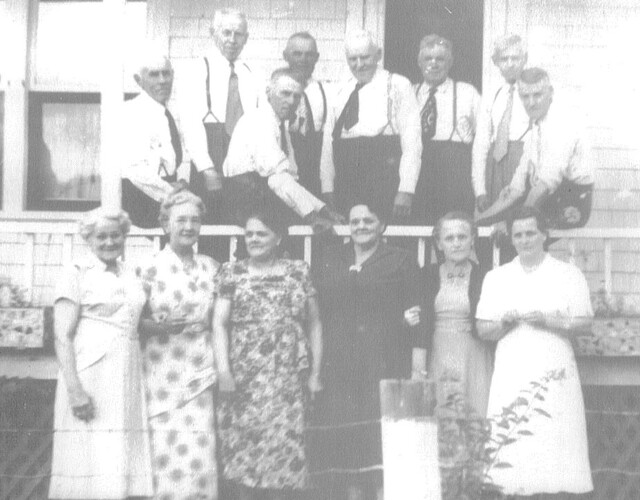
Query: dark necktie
{"x": 175, "y": 137}
{"x": 429, "y": 115}
{"x": 234, "y": 104}
{"x": 502, "y": 136}
{"x": 283, "y": 139}
{"x": 349, "y": 116}
{"x": 306, "y": 123}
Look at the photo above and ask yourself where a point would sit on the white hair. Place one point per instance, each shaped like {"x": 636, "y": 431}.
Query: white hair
{"x": 87, "y": 225}
{"x": 507, "y": 41}
{"x": 358, "y": 36}
{"x": 148, "y": 55}
{"x": 220, "y": 14}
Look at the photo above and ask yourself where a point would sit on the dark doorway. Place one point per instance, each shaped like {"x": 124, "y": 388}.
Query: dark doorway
{"x": 407, "y": 21}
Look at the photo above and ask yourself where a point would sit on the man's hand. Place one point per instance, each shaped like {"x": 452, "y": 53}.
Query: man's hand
{"x": 213, "y": 180}
{"x": 482, "y": 202}
{"x": 412, "y": 316}
{"x": 402, "y": 205}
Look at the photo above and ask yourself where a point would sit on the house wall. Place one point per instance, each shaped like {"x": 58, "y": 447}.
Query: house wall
{"x": 588, "y": 47}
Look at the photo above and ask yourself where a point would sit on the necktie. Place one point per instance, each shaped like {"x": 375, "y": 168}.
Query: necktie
{"x": 234, "y": 104}
{"x": 305, "y": 124}
{"x": 349, "y": 116}
{"x": 283, "y": 139}
{"x": 536, "y": 150}
{"x": 429, "y": 115}
{"x": 175, "y": 137}
{"x": 502, "y": 137}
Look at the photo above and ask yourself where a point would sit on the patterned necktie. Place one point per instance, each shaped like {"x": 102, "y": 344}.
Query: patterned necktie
{"x": 429, "y": 115}
{"x": 502, "y": 137}
{"x": 175, "y": 137}
{"x": 234, "y": 104}
{"x": 283, "y": 139}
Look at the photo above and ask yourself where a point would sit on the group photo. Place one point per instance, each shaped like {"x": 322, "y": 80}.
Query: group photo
{"x": 309, "y": 250}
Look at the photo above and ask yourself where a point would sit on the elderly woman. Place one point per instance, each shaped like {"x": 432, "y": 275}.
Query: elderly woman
{"x": 178, "y": 355}
{"x": 265, "y": 322}
{"x": 459, "y": 359}
{"x": 101, "y": 443}
{"x": 365, "y": 288}
{"x": 533, "y": 306}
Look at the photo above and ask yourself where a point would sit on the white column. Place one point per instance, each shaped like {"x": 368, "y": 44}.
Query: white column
{"x": 112, "y": 97}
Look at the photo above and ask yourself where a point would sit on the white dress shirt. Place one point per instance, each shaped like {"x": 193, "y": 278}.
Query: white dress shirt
{"x": 467, "y": 110}
{"x": 148, "y": 152}
{"x": 554, "y": 150}
{"x": 255, "y": 147}
{"x": 317, "y": 103}
{"x": 194, "y": 100}
{"x": 492, "y": 108}
{"x": 373, "y": 120}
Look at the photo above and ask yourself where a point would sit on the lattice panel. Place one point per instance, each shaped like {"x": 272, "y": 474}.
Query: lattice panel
{"x": 26, "y": 422}
{"x": 613, "y": 423}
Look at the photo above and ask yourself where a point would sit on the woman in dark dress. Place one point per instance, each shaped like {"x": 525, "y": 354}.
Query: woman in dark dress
{"x": 365, "y": 287}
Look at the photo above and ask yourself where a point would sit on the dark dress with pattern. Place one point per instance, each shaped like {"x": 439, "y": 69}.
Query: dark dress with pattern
{"x": 261, "y": 426}
{"x": 365, "y": 340}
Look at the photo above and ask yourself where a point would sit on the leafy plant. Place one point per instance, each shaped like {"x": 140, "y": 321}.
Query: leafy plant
{"x": 467, "y": 446}
{"x": 13, "y": 296}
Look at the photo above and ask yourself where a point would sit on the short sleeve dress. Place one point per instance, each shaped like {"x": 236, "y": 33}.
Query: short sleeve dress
{"x": 261, "y": 427}
{"x": 109, "y": 456}
{"x": 179, "y": 373}
{"x": 555, "y": 457}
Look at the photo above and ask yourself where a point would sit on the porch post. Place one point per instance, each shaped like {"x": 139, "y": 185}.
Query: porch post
{"x": 112, "y": 97}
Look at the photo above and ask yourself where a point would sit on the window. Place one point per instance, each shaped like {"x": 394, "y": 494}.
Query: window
{"x": 64, "y": 100}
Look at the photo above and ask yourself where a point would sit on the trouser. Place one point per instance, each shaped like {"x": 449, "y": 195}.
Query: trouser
{"x": 142, "y": 209}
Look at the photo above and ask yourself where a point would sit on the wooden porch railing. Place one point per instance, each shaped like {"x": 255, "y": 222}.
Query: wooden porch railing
{"x": 68, "y": 230}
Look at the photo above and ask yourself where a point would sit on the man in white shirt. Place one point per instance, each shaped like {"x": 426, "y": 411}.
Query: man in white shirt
{"x": 306, "y": 127}
{"x": 261, "y": 157}
{"x": 448, "y": 114}
{"x": 554, "y": 173}
{"x": 501, "y": 127}
{"x": 152, "y": 150}
{"x": 371, "y": 147}
{"x": 218, "y": 92}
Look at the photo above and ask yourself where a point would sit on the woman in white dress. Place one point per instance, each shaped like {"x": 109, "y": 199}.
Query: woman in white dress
{"x": 101, "y": 444}
{"x": 532, "y": 307}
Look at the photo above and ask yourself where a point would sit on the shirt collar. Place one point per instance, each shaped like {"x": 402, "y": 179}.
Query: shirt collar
{"x": 216, "y": 57}
{"x": 93, "y": 262}
{"x": 150, "y": 103}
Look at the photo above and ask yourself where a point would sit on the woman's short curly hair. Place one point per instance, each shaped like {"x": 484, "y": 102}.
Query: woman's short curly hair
{"x": 455, "y": 215}
{"x": 87, "y": 225}
{"x": 179, "y": 196}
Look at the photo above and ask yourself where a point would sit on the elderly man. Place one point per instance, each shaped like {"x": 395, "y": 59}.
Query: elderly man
{"x": 306, "y": 127}
{"x": 501, "y": 127}
{"x": 448, "y": 115}
{"x": 221, "y": 90}
{"x": 152, "y": 150}
{"x": 554, "y": 172}
{"x": 371, "y": 147}
{"x": 261, "y": 150}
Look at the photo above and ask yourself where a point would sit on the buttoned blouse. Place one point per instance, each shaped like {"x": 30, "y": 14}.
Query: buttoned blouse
{"x": 554, "y": 150}
{"x": 463, "y": 129}
{"x": 193, "y": 100}
{"x": 110, "y": 306}
{"x": 492, "y": 108}
{"x": 147, "y": 149}
{"x": 384, "y": 109}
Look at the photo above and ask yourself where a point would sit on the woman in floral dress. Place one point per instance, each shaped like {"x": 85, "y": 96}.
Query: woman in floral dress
{"x": 266, "y": 319}
{"x": 178, "y": 356}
